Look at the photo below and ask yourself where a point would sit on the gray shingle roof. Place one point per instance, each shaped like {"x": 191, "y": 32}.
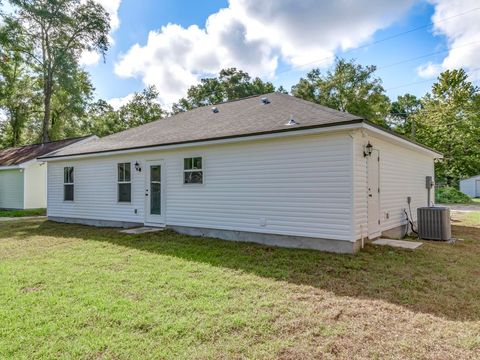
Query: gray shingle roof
{"x": 248, "y": 116}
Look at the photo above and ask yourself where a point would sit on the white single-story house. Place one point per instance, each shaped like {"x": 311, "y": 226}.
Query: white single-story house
{"x": 272, "y": 169}
{"x": 23, "y": 180}
{"x": 471, "y": 186}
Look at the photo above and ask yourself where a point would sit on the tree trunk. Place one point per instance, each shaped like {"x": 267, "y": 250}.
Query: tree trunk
{"x": 16, "y": 129}
{"x": 47, "y": 97}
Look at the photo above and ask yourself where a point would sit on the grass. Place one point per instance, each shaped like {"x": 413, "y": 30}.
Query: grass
{"x": 70, "y": 291}
{"x": 465, "y": 218}
{"x": 22, "y": 213}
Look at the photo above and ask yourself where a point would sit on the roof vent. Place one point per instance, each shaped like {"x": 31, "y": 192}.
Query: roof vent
{"x": 291, "y": 122}
{"x": 215, "y": 109}
{"x": 265, "y": 100}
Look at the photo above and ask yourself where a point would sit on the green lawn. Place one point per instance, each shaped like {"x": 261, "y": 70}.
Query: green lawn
{"x": 70, "y": 291}
{"x": 22, "y": 213}
{"x": 471, "y": 218}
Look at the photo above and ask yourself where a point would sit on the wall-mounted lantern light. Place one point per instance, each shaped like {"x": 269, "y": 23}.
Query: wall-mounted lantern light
{"x": 138, "y": 167}
{"x": 368, "y": 150}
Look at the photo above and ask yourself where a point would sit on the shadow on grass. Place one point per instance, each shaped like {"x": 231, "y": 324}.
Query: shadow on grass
{"x": 438, "y": 278}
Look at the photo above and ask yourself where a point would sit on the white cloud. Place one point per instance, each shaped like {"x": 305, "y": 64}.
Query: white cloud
{"x": 89, "y": 58}
{"x": 253, "y": 35}
{"x": 117, "y": 103}
{"x": 429, "y": 70}
{"x": 461, "y": 26}
{"x": 111, "y": 6}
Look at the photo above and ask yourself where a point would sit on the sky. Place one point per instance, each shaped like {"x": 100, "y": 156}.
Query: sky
{"x": 173, "y": 43}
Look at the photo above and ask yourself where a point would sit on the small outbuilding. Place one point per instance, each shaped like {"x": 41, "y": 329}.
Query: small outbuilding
{"x": 271, "y": 169}
{"x": 23, "y": 180}
{"x": 471, "y": 186}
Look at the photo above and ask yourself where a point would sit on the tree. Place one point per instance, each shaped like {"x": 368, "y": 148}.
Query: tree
{"x": 70, "y": 100}
{"x": 349, "y": 87}
{"x": 53, "y": 34}
{"x": 231, "y": 84}
{"x": 449, "y": 121}
{"x": 402, "y": 114}
{"x": 143, "y": 108}
{"x": 18, "y": 96}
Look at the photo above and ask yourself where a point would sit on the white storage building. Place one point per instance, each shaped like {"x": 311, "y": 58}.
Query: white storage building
{"x": 471, "y": 186}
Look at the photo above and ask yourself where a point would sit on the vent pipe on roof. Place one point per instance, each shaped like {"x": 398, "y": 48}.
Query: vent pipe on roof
{"x": 215, "y": 109}
{"x": 292, "y": 122}
{"x": 265, "y": 100}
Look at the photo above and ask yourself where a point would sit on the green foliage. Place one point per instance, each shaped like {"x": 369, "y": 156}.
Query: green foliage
{"x": 52, "y": 35}
{"x": 449, "y": 121}
{"x": 450, "y": 195}
{"x": 231, "y": 84}
{"x": 349, "y": 87}
{"x": 103, "y": 119}
{"x": 18, "y": 94}
{"x": 402, "y": 115}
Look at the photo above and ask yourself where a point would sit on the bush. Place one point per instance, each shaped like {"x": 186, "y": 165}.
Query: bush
{"x": 450, "y": 195}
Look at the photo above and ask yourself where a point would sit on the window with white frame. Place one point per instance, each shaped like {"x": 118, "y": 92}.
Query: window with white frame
{"x": 192, "y": 170}
{"x": 68, "y": 185}
{"x": 124, "y": 182}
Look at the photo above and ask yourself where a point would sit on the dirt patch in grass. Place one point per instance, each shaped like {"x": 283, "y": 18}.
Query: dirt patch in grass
{"x": 466, "y": 218}
{"x": 95, "y": 293}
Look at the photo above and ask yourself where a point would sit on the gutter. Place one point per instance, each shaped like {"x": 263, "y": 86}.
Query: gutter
{"x": 346, "y": 125}
{"x": 11, "y": 167}
{"x": 315, "y": 129}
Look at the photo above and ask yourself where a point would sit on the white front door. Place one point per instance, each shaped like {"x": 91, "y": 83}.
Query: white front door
{"x": 154, "y": 193}
{"x": 373, "y": 194}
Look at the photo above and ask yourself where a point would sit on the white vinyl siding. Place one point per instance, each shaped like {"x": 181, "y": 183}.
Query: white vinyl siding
{"x": 35, "y": 185}
{"x": 471, "y": 186}
{"x": 402, "y": 174}
{"x": 11, "y": 189}
{"x": 294, "y": 186}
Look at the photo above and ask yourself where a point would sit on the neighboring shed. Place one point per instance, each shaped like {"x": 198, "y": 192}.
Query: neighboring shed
{"x": 23, "y": 182}
{"x": 272, "y": 169}
{"x": 471, "y": 186}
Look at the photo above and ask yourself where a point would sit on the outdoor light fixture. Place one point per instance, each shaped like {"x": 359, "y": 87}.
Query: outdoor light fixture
{"x": 368, "y": 150}
{"x": 138, "y": 167}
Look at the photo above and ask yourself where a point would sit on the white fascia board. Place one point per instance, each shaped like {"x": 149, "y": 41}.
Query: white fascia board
{"x": 399, "y": 140}
{"x": 322, "y": 130}
{"x": 11, "y": 167}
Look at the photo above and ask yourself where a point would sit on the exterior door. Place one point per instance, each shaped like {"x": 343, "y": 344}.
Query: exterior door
{"x": 154, "y": 194}
{"x": 373, "y": 194}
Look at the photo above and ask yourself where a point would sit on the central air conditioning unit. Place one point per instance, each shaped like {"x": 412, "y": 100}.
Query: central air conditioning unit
{"x": 434, "y": 223}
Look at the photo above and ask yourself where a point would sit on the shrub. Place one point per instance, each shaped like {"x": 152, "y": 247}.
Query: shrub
{"x": 450, "y": 195}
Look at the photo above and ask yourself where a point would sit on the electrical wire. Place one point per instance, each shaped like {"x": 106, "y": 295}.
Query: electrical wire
{"x": 318, "y": 61}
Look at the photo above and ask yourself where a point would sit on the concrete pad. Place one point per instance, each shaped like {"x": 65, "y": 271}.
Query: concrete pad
{"x": 18, "y": 218}
{"x": 412, "y": 245}
{"x": 141, "y": 230}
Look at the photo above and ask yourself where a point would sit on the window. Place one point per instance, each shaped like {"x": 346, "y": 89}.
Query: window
{"x": 124, "y": 183}
{"x": 192, "y": 171}
{"x": 68, "y": 186}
